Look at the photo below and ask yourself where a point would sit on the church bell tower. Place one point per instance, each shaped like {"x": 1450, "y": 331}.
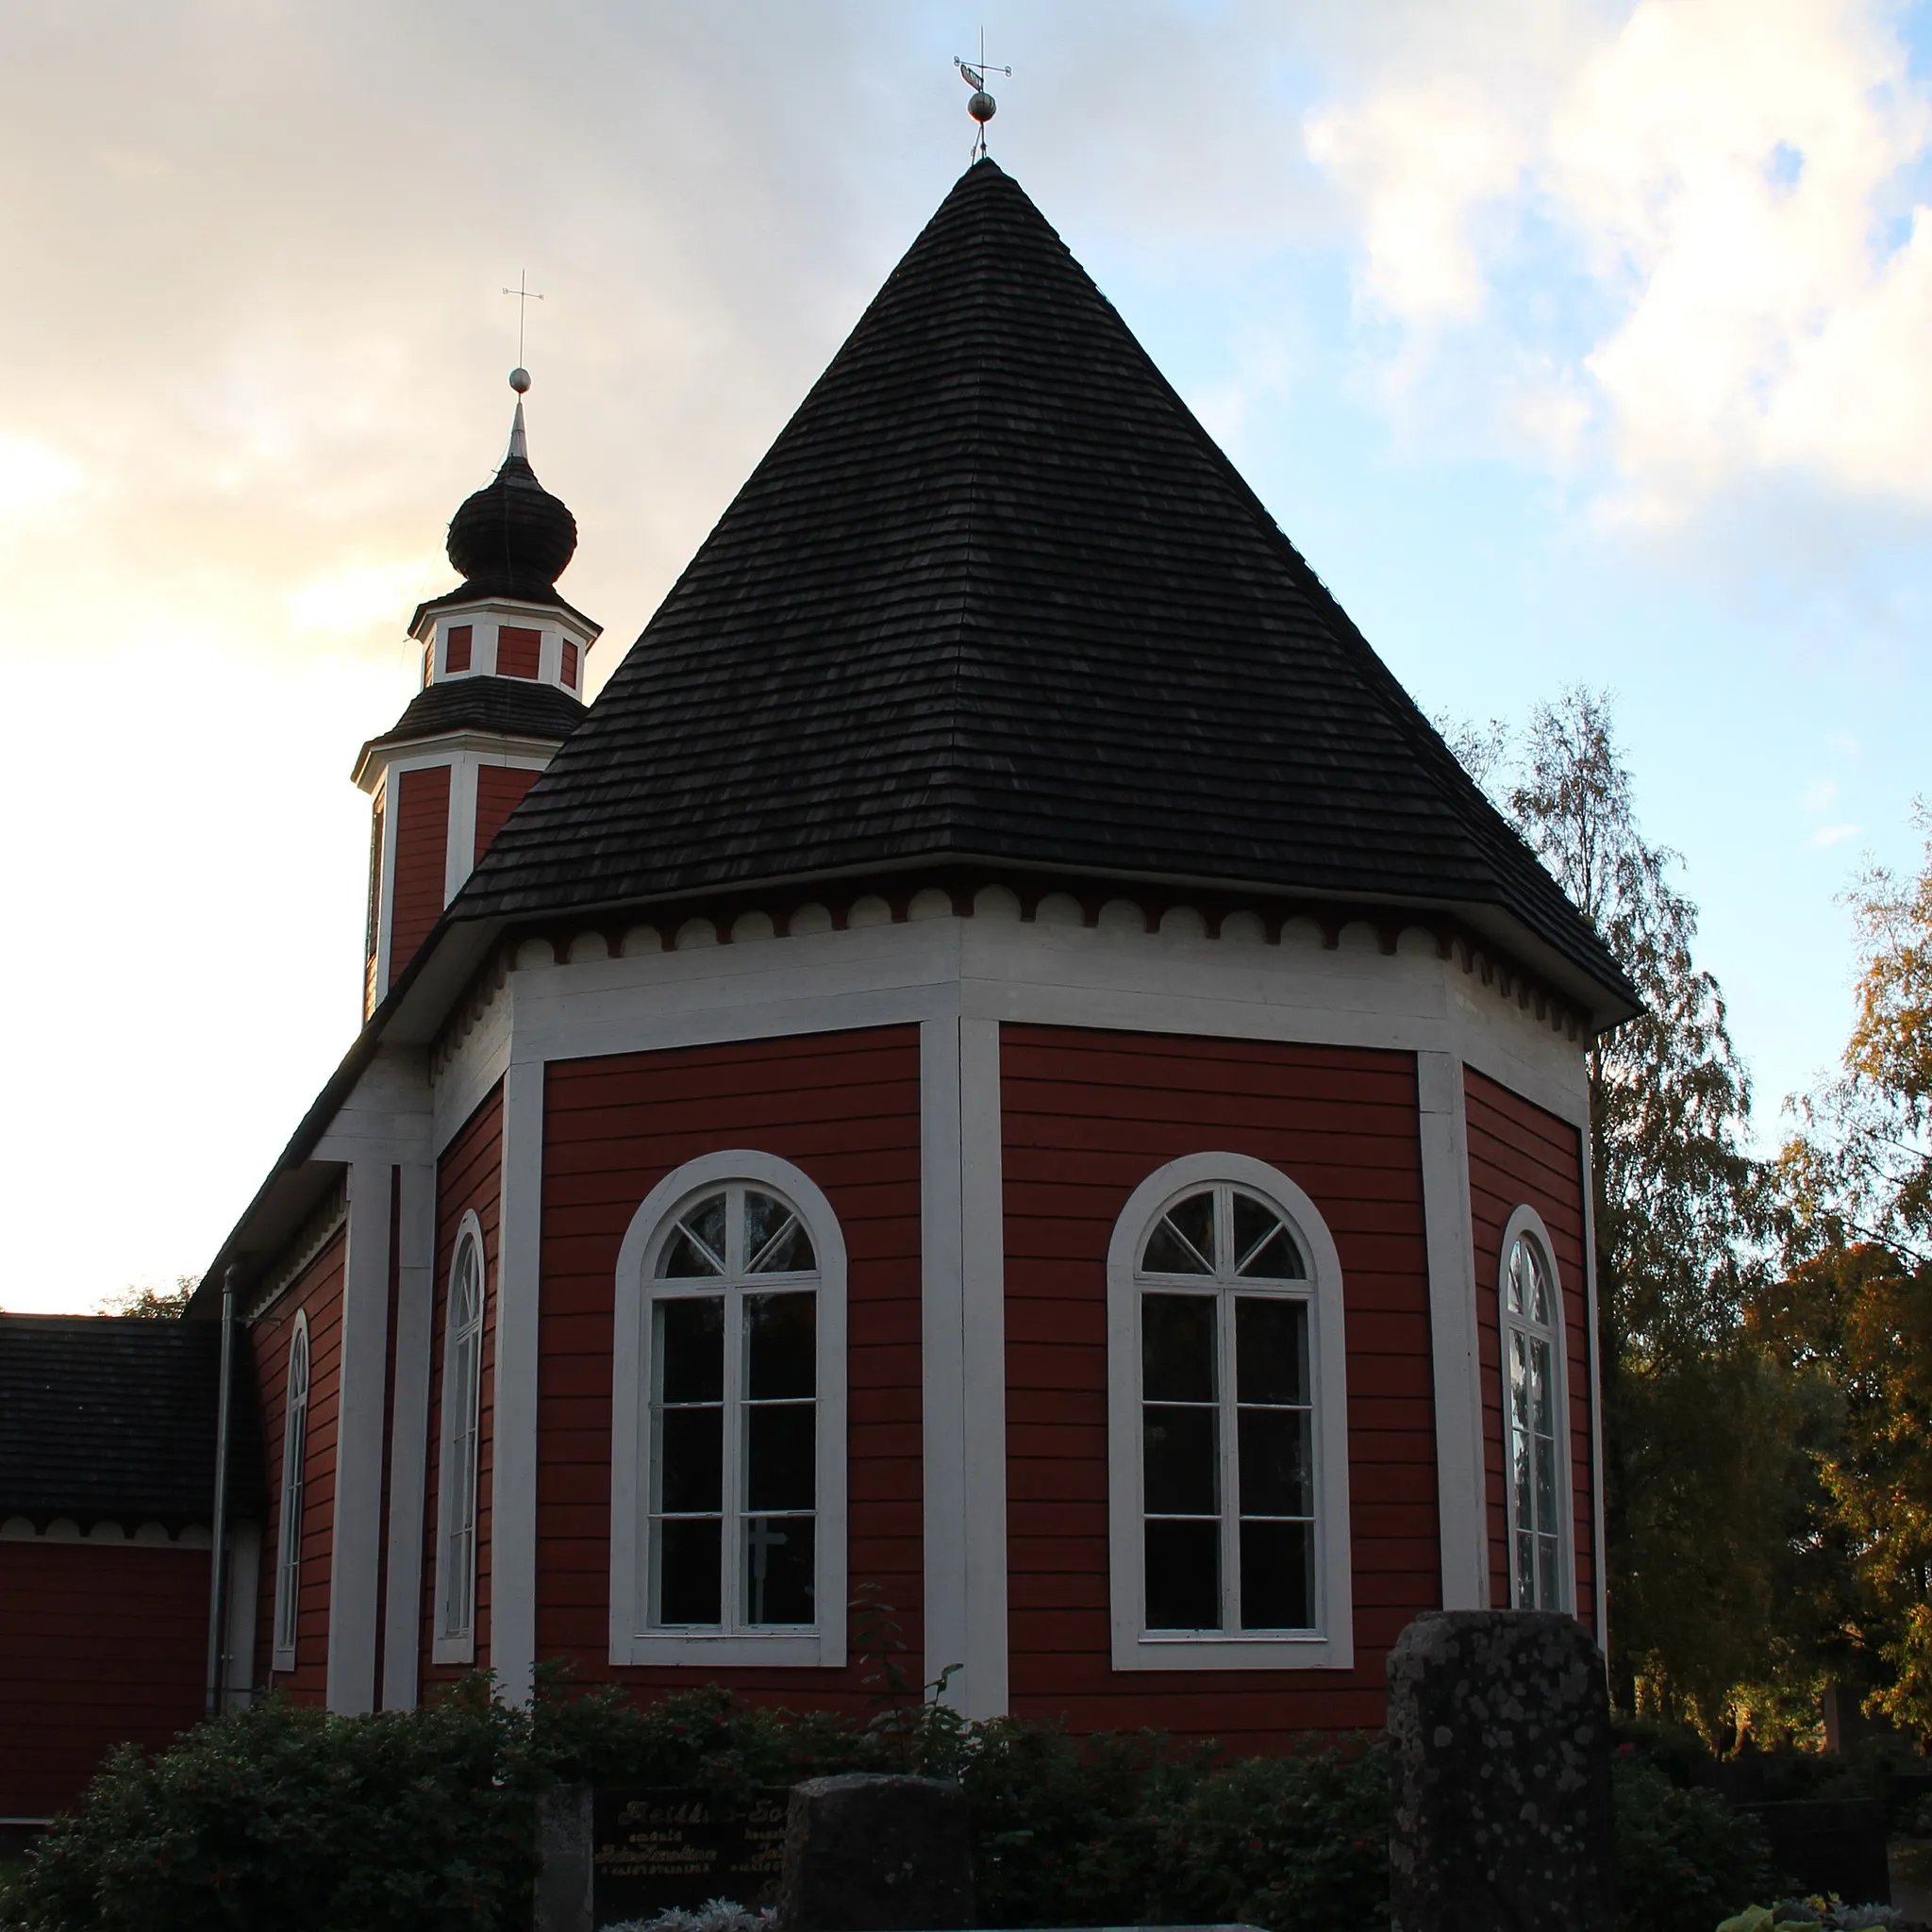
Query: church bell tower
{"x": 504, "y": 658}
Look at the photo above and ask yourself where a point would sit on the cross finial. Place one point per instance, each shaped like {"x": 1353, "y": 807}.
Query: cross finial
{"x": 982, "y": 107}
{"x": 525, "y": 295}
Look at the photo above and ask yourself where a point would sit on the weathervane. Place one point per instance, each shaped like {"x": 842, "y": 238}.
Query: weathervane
{"x": 982, "y": 107}
{"x": 520, "y": 376}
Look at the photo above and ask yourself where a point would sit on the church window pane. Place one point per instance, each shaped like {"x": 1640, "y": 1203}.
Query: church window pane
{"x": 733, "y": 1445}
{"x": 458, "y": 1467}
{"x": 1532, "y": 1407}
{"x": 289, "y": 1540}
{"x": 1227, "y": 1419}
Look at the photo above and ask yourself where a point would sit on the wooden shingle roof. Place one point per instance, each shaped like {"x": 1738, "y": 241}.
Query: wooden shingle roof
{"x": 995, "y": 597}
{"x": 113, "y": 1418}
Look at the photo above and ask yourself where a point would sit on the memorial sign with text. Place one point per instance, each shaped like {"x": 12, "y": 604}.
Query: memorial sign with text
{"x": 664, "y": 1847}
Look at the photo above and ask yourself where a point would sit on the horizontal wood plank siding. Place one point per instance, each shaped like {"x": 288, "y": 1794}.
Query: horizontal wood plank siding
{"x": 319, "y": 1292}
{"x": 421, "y": 848}
{"x": 469, "y": 1175}
{"x": 517, "y": 649}
{"x": 845, "y": 1108}
{"x": 499, "y": 790}
{"x": 1519, "y": 1156}
{"x": 1088, "y": 1116}
{"x": 100, "y": 1645}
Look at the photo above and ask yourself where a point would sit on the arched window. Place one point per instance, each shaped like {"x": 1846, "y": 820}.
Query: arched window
{"x": 729, "y": 1460}
{"x": 1535, "y": 1473}
{"x": 462, "y": 1391}
{"x": 294, "y": 1455}
{"x": 1227, "y": 1408}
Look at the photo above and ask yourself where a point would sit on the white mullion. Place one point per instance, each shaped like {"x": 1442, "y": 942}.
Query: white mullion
{"x": 732, "y": 1501}
{"x": 1318, "y": 1528}
{"x": 1222, "y": 1258}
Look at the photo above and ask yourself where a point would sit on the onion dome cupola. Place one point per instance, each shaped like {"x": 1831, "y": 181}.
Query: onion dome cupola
{"x": 503, "y": 665}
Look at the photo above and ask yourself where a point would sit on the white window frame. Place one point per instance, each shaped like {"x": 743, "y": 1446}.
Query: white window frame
{"x": 1331, "y": 1645}
{"x": 454, "y": 1640}
{"x": 1526, "y": 1224}
{"x": 294, "y": 1486}
{"x": 631, "y": 1641}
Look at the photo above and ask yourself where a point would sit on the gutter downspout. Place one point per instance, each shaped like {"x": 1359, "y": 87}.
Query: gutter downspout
{"x": 218, "y": 1567}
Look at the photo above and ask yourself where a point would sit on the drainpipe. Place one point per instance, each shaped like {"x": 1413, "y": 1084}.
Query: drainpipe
{"x": 218, "y": 1567}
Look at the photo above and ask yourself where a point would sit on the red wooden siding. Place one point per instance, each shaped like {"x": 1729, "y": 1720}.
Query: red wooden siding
{"x": 469, "y": 1175}
{"x": 1088, "y": 1116}
{"x": 319, "y": 1292}
{"x": 499, "y": 791}
{"x": 99, "y": 1645}
{"x": 516, "y": 651}
{"x": 1519, "y": 1156}
{"x": 570, "y": 663}
{"x": 421, "y": 848}
{"x": 457, "y": 653}
{"x": 843, "y": 1106}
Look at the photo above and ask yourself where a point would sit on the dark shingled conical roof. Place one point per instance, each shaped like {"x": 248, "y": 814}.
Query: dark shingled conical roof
{"x": 994, "y": 595}
{"x": 512, "y": 538}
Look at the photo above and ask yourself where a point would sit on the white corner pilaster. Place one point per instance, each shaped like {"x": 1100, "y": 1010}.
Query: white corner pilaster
{"x": 983, "y": 1373}
{"x": 1599, "y": 1564}
{"x": 402, "y": 1609}
{"x": 514, "y": 1458}
{"x": 943, "y": 1342}
{"x": 244, "y": 1601}
{"x": 459, "y": 853}
{"x": 1462, "y": 1512}
{"x": 356, "y": 1540}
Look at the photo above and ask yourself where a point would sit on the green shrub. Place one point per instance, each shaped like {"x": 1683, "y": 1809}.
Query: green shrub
{"x": 1686, "y": 1859}
{"x": 284, "y": 1816}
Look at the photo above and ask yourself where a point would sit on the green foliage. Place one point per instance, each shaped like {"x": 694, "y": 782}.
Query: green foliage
{"x": 1700, "y": 1468}
{"x": 285, "y": 1816}
{"x": 1685, "y": 1857}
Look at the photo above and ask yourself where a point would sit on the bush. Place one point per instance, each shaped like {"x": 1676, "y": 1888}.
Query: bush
{"x": 285, "y": 1816}
{"x": 1686, "y": 1859}
{"x": 425, "y": 1819}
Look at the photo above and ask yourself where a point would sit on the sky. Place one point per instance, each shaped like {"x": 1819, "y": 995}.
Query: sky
{"x": 1573, "y": 343}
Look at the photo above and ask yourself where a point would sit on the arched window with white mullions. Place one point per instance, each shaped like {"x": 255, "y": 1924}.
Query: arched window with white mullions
{"x": 728, "y": 1445}
{"x": 1536, "y": 1467}
{"x": 295, "y": 1459}
{"x": 456, "y": 1464}
{"x": 1227, "y": 1424}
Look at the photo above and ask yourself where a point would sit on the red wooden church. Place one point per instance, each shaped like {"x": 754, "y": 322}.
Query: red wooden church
{"x": 1001, "y": 1059}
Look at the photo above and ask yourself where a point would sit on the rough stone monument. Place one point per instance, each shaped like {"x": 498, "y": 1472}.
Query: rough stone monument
{"x": 868, "y": 1854}
{"x": 1499, "y": 1731}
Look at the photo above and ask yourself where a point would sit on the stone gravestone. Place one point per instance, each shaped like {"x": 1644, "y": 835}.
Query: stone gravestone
{"x": 614, "y": 1854}
{"x": 1499, "y": 1729}
{"x": 870, "y": 1853}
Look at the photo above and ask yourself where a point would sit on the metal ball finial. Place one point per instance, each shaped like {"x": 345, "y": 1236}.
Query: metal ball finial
{"x": 982, "y": 107}
{"x": 520, "y": 380}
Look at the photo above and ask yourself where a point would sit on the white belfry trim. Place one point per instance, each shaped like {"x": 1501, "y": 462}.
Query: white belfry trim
{"x": 513, "y": 1455}
{"x": 1454, "y": 1334}
{"x": 408, "y": 1435}
{"x": 983, "y": 1683}
{"x": 460, "y": 846}
{"x": 356, "y": 1542}
{"x": 942, "y": 1359}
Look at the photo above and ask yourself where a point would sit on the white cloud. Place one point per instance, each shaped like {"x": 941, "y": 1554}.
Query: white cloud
{"x": 1826, "y": 837}
{"x": 1819, "y": 794}
{"x": 1718, "y": 179}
